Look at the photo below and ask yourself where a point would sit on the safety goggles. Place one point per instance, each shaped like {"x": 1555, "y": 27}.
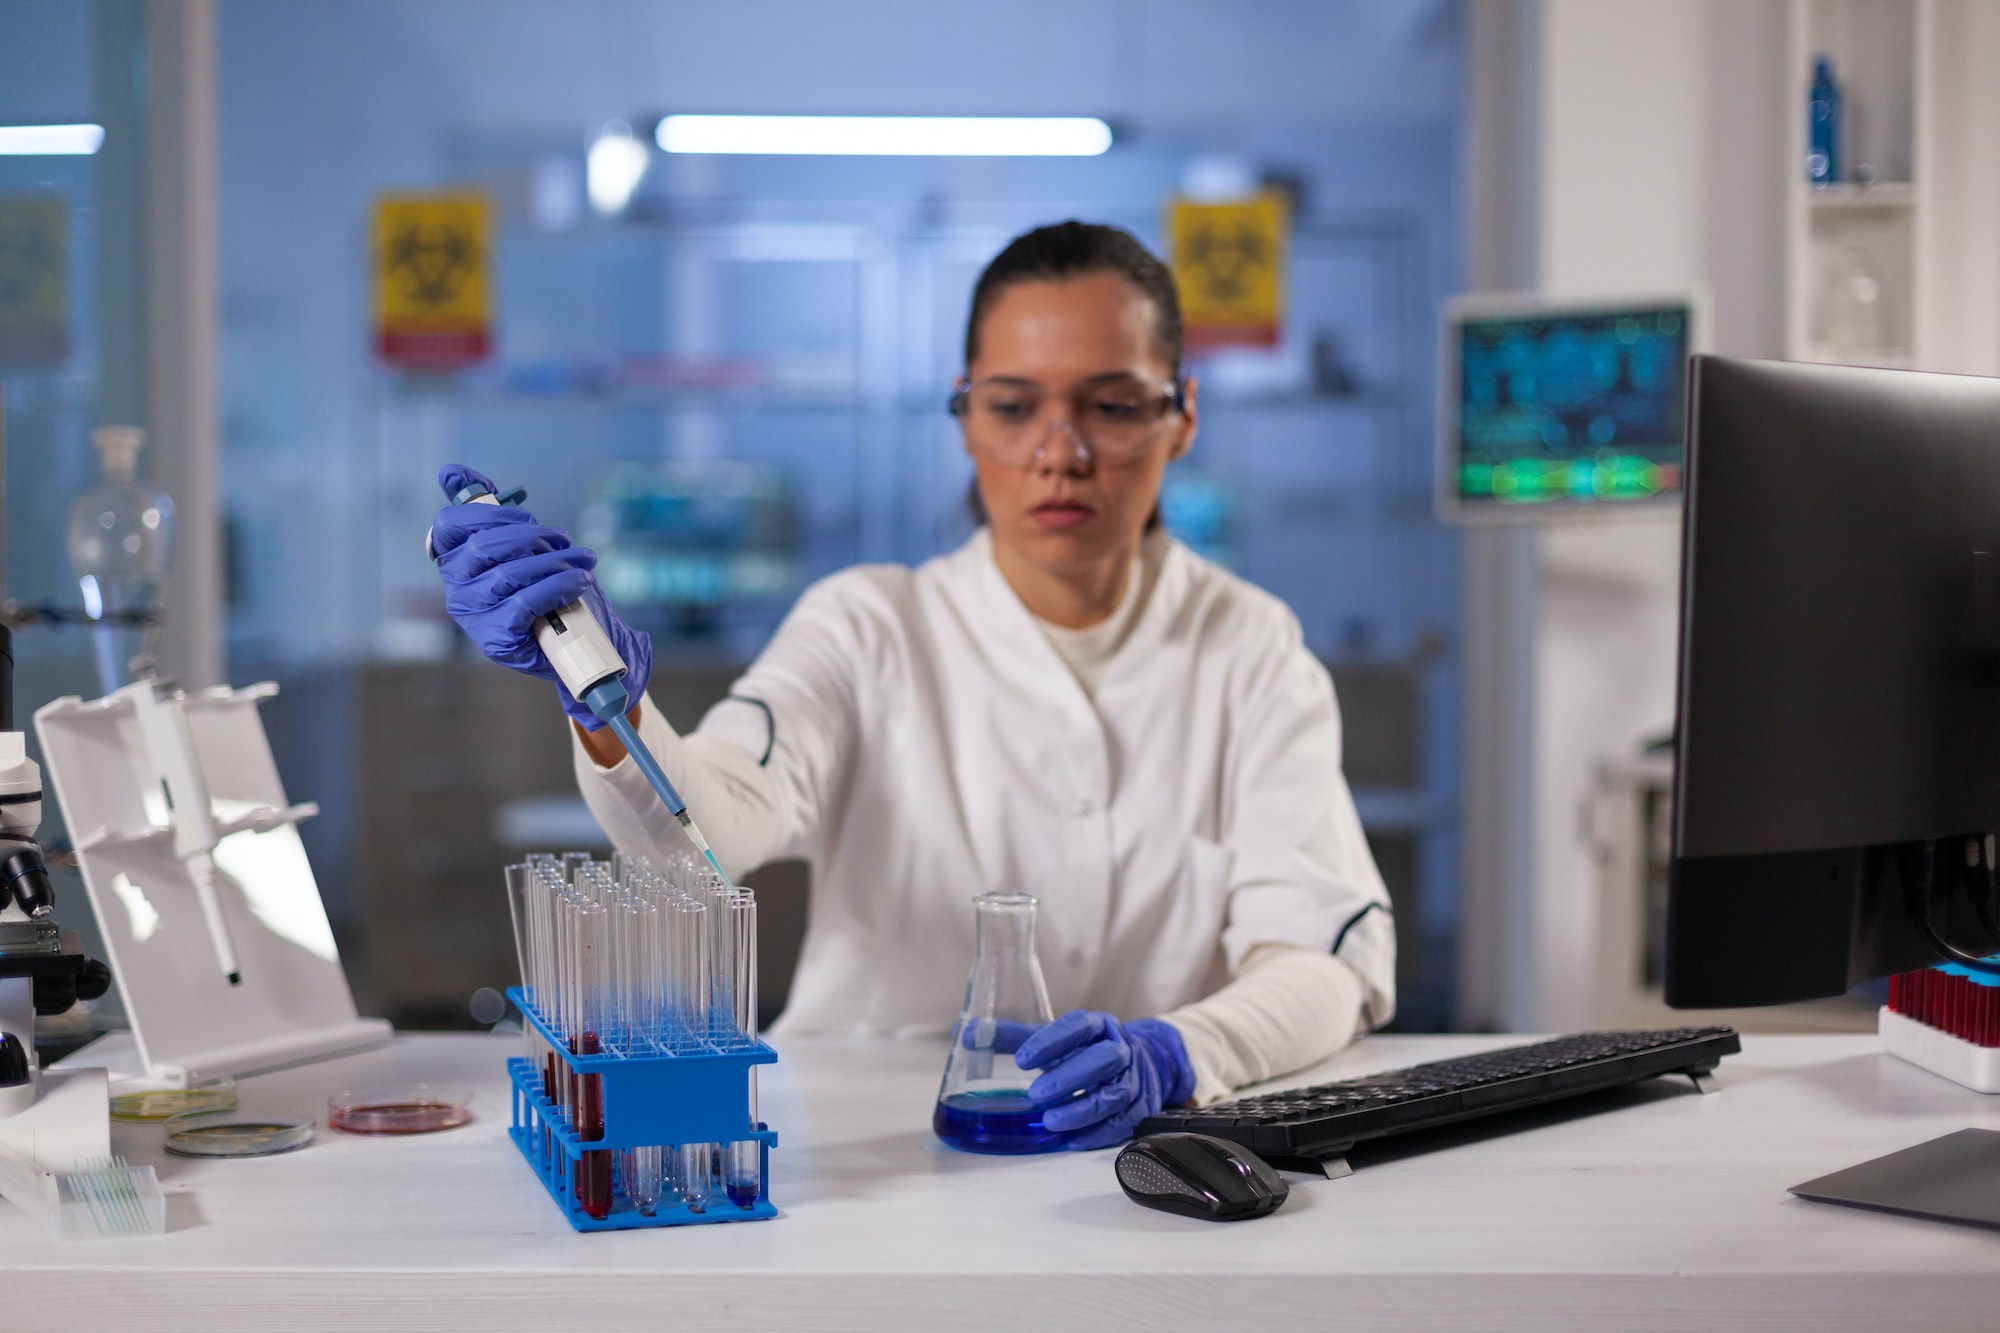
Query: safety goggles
{"x": 1111, "y": 422}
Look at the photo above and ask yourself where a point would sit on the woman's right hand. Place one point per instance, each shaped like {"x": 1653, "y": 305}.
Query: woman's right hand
{"x": 503, "y": 571}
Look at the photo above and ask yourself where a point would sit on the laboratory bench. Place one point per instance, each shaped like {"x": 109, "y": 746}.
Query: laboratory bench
{"x": 1652, "y": 1207}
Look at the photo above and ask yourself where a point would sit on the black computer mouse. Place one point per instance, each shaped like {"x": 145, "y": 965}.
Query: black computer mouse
{"x": 1198, "y": 1175}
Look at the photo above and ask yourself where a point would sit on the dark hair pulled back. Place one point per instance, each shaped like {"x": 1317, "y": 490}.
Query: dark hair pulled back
{"x": 1065, "y": 250}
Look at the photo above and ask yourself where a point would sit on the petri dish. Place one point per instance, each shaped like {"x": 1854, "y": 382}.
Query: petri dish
{"x": 201, "y": 1096}
{"x": 225, "y": 1134}
{"x": 416, "y": 1108}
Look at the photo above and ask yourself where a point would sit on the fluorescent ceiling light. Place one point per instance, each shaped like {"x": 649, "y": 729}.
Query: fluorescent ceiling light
{"x": 887, "y": 136}
{"x": 50, "y": 140}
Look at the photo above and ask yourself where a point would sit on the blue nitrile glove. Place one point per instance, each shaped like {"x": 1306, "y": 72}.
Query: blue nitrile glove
{"x": 503, "y": 571}
{"x": 1123, "y": 1071}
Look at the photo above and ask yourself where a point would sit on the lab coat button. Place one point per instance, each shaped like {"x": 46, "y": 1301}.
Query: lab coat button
{"x": 1082, "y": 809}
{"x": 1074, "y": 958}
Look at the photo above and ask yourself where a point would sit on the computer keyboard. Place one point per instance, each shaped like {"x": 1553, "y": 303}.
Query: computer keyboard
{"x": 1311, "y": 1129}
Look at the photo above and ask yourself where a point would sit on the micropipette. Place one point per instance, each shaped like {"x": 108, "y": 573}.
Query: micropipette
{"x": 169, "y": 744}
{"x": 590, "y": 668}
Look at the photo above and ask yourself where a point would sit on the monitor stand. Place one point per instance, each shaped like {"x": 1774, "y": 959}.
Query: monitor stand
{"x": 1955, "y": 1179}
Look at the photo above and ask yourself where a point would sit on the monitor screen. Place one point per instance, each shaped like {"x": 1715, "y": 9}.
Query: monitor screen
{"x": 1552, "y": 407}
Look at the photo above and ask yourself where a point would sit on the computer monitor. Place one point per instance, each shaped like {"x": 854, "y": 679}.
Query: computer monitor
{"x": 1547, "y": 406}
{"x": 1838, "y": 746}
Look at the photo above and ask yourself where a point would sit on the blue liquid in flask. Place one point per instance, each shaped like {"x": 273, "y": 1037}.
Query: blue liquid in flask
{"x": 997, "y": 1121}
{"x": 983, "y": 1103}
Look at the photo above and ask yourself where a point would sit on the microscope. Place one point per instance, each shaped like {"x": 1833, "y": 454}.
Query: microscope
{"x": 42, "y": 968}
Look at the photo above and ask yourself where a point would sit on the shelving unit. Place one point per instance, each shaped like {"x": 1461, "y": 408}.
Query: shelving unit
{"x": 1920, "y": 82}
{"x": 833, "y": 345}
{"x": 1885, "y": 195}
{"x": 1851, "y": 274}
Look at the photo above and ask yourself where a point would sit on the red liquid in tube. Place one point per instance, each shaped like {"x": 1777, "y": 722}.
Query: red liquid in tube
{"x": 593, "y": 1169}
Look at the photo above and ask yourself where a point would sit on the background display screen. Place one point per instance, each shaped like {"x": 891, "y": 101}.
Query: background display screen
{"x": 1572, "y": 407}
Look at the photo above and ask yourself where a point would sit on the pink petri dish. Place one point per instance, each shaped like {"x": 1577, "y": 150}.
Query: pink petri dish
{"x": 416, "y": 1108}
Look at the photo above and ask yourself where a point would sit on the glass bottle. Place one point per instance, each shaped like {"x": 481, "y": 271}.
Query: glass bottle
{"x": 121, "y": 540}
{"x": 1823, "y": 125}
{"x": 983, "y": 1102}
{"x": 1860, "y": 324}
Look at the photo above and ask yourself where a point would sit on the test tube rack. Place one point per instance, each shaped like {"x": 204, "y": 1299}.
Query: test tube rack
{"x": 1947, "y": 1020}
{"x": 649, "y": 1101}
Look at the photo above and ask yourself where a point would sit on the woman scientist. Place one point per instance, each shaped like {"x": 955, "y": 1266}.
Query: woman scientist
{"x": 1071, "y": 704}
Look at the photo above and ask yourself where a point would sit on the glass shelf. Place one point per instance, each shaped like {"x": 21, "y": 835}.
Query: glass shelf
{"x": 1882, "y": 194}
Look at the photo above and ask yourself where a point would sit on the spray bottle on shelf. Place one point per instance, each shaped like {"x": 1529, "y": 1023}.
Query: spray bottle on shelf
{"x": 1823, "y": 125}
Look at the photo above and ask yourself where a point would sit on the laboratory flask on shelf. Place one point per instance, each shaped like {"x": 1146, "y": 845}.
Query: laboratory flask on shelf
{"x": 121, "y": 540}
{"x": 983, "y": 1104}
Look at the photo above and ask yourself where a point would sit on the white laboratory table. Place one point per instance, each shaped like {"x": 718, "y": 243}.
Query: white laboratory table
{"x": 1666, "y": 1209}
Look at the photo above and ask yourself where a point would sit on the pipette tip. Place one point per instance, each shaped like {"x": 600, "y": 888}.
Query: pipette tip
{"x": 693, "y": 832}
{"x": 236, "y": 978}
{"x": 710, "y": 857}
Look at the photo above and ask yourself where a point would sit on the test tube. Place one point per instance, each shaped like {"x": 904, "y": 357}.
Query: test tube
{"x": 723, "y": 973}
{"x": 692, "y": 969}
{"x": 638, "y": 921}
{"x": 533, "y": 927}
{"x": 593, "y": 1168}
{"x": 648, "y": 1179}
{"x": 518, "y": 879}
{"x": 543, "y": 889}
{"x": 724, "y": 1027}
{"x": 746, "y": 1167}
{"x": 696, "y": 1161}
{"x": 578, "y": 910}
{"x": 659, "y": 973}
{"x": 543, "y": 895}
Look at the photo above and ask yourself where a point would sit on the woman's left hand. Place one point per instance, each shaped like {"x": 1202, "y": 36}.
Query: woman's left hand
{"x": 1102, "y": 1077}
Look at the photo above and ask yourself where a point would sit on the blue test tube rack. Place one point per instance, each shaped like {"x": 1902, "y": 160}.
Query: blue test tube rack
{"x": 649, "y": 1101}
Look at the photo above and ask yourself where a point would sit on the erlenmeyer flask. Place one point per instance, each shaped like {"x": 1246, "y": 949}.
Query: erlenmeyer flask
{"x": 983, "y": 1103}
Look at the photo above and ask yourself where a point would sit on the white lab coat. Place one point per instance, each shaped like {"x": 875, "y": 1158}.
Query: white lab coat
{"x": 922, "y": 742}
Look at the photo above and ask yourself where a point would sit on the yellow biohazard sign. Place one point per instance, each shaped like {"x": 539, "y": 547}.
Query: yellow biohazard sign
{"x": 433, "y": 287}
{"x": 1229, "y": 262}
{"x": 34, "y": 279}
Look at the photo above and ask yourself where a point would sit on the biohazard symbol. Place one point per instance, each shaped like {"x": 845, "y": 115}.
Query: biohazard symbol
{"x": 1227, "y": 258}
{"x": 432, "y": 283}
{"x": 432, "y": 262}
